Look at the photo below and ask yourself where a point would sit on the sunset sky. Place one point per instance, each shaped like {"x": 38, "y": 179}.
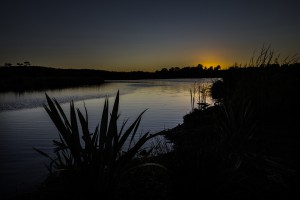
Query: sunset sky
{"x": 147, "y": 35}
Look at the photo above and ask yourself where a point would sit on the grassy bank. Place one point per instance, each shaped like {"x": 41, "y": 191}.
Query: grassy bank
{"x": 246, "y": 147}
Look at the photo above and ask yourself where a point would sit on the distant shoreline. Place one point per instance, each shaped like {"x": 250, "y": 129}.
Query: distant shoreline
{"x": 36, "y": 78}
{"x": 20, "y": 79}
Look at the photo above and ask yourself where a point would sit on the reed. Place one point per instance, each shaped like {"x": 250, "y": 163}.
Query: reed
{"x": 199, "y": 94}
{"x": 268, "y": 57}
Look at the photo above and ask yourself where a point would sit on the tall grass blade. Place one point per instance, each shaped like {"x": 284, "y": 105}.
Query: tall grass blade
{"x": 134, "y": 132}
{"x": 55, "y": 117}
{"x": 103, "y": 125}
{"x": 75, "y": 142}
{"x": 67, "y": 123}
{"x": 43, "y": 153}
{"x": 125, "y": 136}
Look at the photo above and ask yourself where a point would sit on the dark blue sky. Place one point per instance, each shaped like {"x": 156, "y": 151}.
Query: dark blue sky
{"x": 145, "y": 35}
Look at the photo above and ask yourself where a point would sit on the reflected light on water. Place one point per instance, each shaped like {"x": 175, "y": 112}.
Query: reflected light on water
{"x": 25, "y": 124}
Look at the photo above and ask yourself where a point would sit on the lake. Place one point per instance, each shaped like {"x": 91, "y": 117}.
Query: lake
{"x": 24, "y": 123}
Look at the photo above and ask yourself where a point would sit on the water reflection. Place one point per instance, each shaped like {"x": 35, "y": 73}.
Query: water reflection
{"x": 32, "y": 99}
{"x": 25, "y": 124}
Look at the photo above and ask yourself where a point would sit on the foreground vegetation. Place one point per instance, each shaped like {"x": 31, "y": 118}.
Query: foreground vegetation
{"x": 246, "y": 146}
{"x": 243, "y": 147}
{"x": 107, "y": 156}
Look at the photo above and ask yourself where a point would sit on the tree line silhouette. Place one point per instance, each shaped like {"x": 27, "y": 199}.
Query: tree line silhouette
{"x": 21, "y": 78}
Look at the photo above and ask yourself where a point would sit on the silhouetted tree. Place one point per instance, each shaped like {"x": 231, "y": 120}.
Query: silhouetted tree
{"x": 7, "y": 64}
{"x": 20, "y": 64}
{"x": 27, "y": 63}
{"x": 164, "y": 70}
{"x": 199, "y": 66}
{"x": 174, "y": 69}
{"x": 217, "y": 67}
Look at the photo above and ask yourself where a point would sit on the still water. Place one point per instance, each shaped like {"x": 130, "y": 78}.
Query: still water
{"x": 24, "y": 123}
